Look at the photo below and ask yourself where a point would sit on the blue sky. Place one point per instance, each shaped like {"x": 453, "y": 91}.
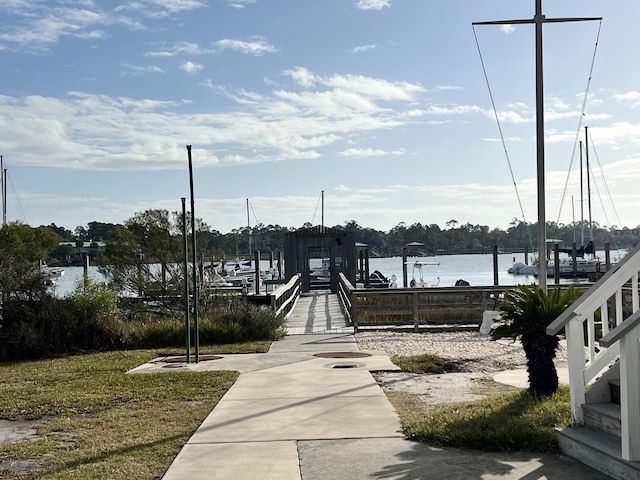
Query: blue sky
{"x": 381, "y": 104}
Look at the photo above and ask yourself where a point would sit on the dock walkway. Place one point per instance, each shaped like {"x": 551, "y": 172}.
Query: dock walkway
{"x": 310, "y": 409}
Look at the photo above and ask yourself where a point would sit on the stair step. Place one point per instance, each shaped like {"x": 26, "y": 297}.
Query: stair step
{"x": 605, "y": 417}
{"x": 601, "y": 451}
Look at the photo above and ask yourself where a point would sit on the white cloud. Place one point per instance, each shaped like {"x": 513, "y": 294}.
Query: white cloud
{"x": 373, "y": 4}
{"x": 302, "y": 76}
{"x": 240, "y": 4}
{"x": 508, "y": 29}
{"x": 146, "y": 133}
{"x": 633, "y": 98}
{"x": 137, "y": 70}
{"x": 257, "y": 46}
{"x": 368, "y": 152}
{"x": 191, "y": 67}
{"x": 364, "y": 48}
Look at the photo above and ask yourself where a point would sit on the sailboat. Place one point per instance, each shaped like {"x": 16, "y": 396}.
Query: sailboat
{"x": 586, "y": 262}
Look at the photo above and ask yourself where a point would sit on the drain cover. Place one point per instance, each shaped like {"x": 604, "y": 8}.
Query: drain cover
{"x": 344, "y": 365}
{"x": 342, "y": 355}
{"x": 183, "y": 358}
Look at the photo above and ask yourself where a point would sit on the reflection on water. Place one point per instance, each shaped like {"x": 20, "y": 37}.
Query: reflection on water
{"x": 475, "y": 269}
{"x": 72, "y": 275}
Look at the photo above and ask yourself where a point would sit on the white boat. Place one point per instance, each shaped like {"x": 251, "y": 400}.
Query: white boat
{"x": 519, "y": 268}
{"x": 50, "y": 275}
{"x": 420, "y": 282}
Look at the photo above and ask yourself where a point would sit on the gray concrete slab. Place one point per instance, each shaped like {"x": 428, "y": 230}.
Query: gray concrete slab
{"x": 247, "y": 460}
{"x": 292, "y": 415}
{"x": 398, "y": 459}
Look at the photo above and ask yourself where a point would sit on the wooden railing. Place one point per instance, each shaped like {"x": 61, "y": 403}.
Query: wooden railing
{"x": 423, "y": 307}
{"x": 602, "y": 325}
{"x": 284, "y": 297}
{"x": 345, "y": 297}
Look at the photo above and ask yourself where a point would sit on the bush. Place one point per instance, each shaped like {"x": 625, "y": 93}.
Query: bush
{"x": 89, "y": 320}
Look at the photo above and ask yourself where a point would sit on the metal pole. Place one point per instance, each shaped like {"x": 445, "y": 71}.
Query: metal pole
{"x": 187, "y": 323}
{"x": 542, "y": 223}
{"x": 3, "y": 190}
{"x": 539, "y": 19}
{"x": 495, "y": 265}
{"x": 196, "y": 333}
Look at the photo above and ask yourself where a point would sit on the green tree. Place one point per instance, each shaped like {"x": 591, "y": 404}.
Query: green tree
{"x": 525, "y": 313}
{"x": 22, "y": 249}
{"x": 145, "y": 255}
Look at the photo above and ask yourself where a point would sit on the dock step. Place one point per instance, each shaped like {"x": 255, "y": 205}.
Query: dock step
{"x": 601, "y": 451}
{"x": 604, "y": 417}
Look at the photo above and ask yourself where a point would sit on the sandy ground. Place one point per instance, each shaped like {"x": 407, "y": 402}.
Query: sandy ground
{"x": 441, "y": 389}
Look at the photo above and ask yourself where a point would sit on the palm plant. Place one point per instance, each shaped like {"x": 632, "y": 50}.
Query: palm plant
{"x": 526, "y": 312}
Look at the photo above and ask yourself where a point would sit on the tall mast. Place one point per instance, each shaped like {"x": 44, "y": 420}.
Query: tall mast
{"x": 3, "y": 190}
{"x": 581, "y": 200}
{"x": 249, "y": 228}
{"x": 539, "y": 19}
{"x": 322, "y": 211}
{"x": 586, "y": 153}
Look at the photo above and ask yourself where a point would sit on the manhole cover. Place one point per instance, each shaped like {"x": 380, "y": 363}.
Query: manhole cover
{"x": 192, "y": 358}
{"x": 342, "y": 355}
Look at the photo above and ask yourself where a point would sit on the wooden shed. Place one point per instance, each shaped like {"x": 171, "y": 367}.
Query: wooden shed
{"x": 308, "y": 246}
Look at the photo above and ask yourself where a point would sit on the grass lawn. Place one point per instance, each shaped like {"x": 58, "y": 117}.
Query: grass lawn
{"x": 505, "y": 422}
{"x": 93, "y": 421}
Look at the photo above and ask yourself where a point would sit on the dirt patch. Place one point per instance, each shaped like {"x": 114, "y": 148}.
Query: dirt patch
{"x": 441, "y": 389}
{"x": 15, "y": 431}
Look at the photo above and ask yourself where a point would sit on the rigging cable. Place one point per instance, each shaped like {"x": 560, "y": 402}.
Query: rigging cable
{"x": 316, "y": 210}
{"x": 495, "y": 112}
{"x": 579, "y": 129}
{"x": 608, "y": 192}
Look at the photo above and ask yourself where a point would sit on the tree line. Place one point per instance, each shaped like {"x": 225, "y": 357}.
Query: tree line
{"x": 456, "y": 237}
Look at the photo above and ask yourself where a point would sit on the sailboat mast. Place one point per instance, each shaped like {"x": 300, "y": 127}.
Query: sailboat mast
{"x": 249, "y": 228}
{"x": 3, "y": 189}
{"x": 539, "y": 20}
{"x": 586, "y": 152}
{"x": 322, "y": 211}
{"x": 581, "y": 200}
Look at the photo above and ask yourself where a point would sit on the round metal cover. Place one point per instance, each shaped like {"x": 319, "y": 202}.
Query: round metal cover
{"x": 342, "y": 355}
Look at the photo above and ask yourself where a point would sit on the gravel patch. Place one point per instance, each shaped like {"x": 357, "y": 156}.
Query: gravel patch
{"x": 473, "y": 351}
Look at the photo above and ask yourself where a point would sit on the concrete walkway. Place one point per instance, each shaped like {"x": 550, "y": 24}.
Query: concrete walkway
{"x": 309, "y": 409}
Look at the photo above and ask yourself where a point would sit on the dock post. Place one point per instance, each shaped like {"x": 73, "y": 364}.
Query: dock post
{"x": 495, "y": 265}
{"x": 257, "y": 279}
{"x": 404, "y": 267}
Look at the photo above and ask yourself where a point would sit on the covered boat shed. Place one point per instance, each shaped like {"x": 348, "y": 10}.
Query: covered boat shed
{"x": 319, "y": 242}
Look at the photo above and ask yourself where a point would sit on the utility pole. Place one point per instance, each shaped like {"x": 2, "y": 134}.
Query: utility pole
{"x": 196, "y": 327}
{"x": 539, "y": 20}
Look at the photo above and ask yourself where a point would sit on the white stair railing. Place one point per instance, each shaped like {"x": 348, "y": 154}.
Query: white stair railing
{"x": 599, "y": 327}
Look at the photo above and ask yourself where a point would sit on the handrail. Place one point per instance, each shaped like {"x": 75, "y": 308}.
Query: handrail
{"x": 345, "y": 297}
{"x": 631, "y": 322}
{"x": 609, "y": 282}
{"x": 602, "y": 327}
{"x": 284, "y": 297}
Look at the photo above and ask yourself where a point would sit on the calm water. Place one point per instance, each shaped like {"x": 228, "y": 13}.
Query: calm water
{"x": 475, "y": 269}
{"x": 445, "y": 270}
